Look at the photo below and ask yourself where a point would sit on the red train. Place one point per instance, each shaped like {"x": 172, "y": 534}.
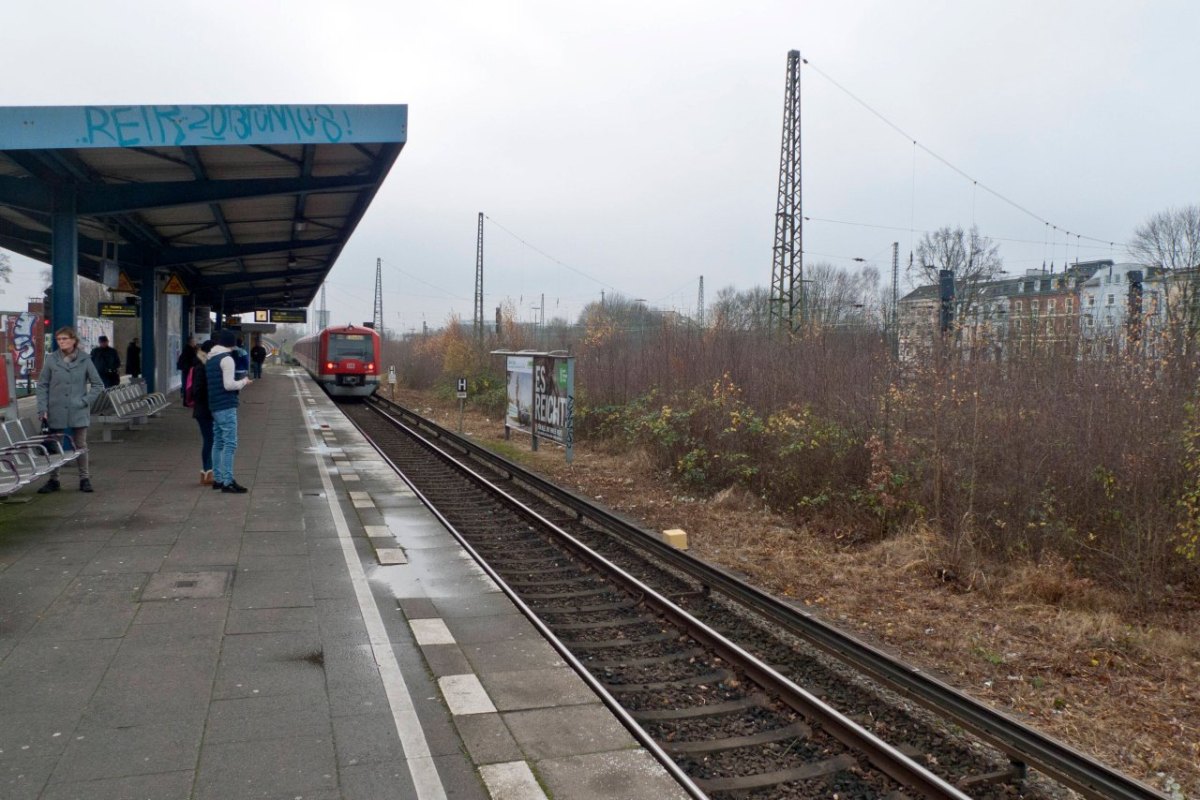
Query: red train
{"x": 345, "y": 359}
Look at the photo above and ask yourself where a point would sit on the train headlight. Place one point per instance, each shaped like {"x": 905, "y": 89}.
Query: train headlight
{"x": 370, "y": 367}
{"x": 328, "y": 365}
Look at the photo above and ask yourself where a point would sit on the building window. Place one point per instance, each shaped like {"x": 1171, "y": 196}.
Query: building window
{"x": 1087, "y": 320}
{"x": 1112, "y": 299}
{"x": 1091, "y": 300}
{"x": 1033, "y": 307}
{"x": 1017, "y": 306}
{"x": 1051, "y": 306}
{"x": 1070, "y": 301}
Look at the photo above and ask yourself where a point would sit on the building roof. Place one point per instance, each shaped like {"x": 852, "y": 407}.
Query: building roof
{"x": 250, "y": 206}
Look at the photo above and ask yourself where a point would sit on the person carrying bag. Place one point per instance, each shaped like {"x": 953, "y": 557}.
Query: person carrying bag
{"x": 66, "y": 389}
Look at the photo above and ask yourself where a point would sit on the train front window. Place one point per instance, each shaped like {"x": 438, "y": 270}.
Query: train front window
{"x": 350, "y": 345}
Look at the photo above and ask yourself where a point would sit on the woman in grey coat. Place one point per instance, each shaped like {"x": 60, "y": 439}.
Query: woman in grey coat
{"x": 68, "y": 386}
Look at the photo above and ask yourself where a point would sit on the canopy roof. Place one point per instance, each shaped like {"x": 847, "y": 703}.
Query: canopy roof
{"x": 249, "y": 206}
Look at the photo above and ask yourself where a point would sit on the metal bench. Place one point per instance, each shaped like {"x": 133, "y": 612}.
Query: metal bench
{"x": 128, "y": 403}
{"x": 27, "y": 454}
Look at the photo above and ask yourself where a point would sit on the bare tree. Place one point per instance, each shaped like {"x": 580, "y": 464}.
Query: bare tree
{"x": 5, "y": 268}
{"x": 974, "y": 259}
{"x": 838, "y": 297}
{"x": 1170, "y": 240}
{"x": 740, "y": 311}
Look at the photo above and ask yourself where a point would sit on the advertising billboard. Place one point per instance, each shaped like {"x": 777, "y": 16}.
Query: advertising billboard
{"x": 519, "y": 377}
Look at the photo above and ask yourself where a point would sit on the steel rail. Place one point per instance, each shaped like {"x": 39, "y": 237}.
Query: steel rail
{"x": 883, "y": 756}
{"x": 606, "y": 698}
{"x": 1022, "y": 744}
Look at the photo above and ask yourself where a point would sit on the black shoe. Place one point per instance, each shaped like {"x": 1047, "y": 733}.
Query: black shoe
{"x": 233, "y": 487}
{"x": 51, "y": 485}
{"x": 217, "y": 486}
{"x": 85, "y": 485}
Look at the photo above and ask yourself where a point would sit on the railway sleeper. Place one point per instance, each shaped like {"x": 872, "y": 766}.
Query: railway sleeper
{"x": 797, "y": 730}
{"x": 693, "y": 712}
{"x": 708, "y": 679}
{"x": 614, "y": 644}
{"x": 620, "y": 606}
{"x": 807, "y": 772}
{"x": 610, "y": 623}
{"x": 683, "y": 655}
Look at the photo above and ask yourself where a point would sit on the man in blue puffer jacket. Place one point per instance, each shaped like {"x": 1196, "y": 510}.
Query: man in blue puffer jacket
{"x": 223, "y": 390}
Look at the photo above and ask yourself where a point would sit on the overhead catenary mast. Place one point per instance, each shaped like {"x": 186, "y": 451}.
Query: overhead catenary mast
{"x": 378, "y": 319}
{"x": 479, "y": 280}
{"x": 787, "y": 266}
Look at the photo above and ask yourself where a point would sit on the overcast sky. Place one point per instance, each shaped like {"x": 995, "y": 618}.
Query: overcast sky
{"x": 634, "y": 146}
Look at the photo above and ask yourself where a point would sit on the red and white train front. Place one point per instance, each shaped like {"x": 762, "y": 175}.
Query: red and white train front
{"x": 345, "y": 360}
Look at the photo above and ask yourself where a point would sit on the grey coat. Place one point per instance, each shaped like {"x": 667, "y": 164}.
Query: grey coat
{"x": 67, "y": 389}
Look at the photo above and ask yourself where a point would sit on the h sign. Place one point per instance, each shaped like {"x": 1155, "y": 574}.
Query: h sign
{"x": 462, "y": 388}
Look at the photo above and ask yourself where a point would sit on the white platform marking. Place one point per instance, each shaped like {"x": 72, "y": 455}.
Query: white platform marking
{"x": 431, "y": 631}
{"x": 420, "y": 762}
{"x": 511, "y": 781}
{"x": 465, "y": 695}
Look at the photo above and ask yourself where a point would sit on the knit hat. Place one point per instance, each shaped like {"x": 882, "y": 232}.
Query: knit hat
{"x": 227, "y": 338}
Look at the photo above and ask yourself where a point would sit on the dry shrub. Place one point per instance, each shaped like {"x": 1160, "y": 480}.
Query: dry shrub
{"x": 916, "y": 548}
{"x": 1053, "y": 582}
{"x": 735, "y": 498}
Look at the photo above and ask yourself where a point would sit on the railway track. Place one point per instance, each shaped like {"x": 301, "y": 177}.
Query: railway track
{"x": 734, "y": 690}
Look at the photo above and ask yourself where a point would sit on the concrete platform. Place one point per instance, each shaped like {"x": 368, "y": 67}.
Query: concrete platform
{"x": 320, "y": 637}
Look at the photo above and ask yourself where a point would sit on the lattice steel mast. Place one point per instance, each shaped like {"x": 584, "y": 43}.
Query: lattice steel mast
{"x": 787, "y": 309}
{"x": 479, "y": 280}
{"x": 378, "y": 320}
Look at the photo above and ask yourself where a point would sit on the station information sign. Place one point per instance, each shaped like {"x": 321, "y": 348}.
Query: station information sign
{"x": 124, "y": 310}
{"x": 288, "y": 315}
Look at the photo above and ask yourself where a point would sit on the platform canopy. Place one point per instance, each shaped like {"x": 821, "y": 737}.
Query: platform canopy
{"x": 249, "y": 206}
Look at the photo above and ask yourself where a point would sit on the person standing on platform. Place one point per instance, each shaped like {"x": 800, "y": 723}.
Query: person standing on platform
{"x": 107, "y": 362}
{"x": 133, "y": 359}
{"x": 197, "y": 396}
{"x": 223, "y": 390}
{"x": 258, "y": 354}
{"x": 187, "y": 359}
{"x": 68, "y": 386}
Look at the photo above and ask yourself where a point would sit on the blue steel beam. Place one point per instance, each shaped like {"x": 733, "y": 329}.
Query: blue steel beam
{"x": 109, "y": 199}
{"x": 64, "y": 259}
{"x": 30, "y": 194}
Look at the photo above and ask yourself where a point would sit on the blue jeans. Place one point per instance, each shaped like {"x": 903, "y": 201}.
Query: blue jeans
{"x": 206, "y": 443}
{"x": 224, "y": 444}
{"x": 256, "y": 369}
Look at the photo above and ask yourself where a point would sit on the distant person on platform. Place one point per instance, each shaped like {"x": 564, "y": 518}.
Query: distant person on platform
{"x": 223, "y": 390}
{"x": 187, "y": 359}
{"x": 107, "y": 362}
{"x": 133, "y": 359}
{"x": 258, "y": 354}
{"x": 68, "y": 386}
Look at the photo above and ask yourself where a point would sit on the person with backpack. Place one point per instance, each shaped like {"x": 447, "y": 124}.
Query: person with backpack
{"x": 187, "y": 359}
{"x": 223, "y": 391}
{"x": 195, "y": 396}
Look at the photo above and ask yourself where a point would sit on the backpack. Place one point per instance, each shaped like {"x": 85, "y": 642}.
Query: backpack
{"x": 189, "y": 388}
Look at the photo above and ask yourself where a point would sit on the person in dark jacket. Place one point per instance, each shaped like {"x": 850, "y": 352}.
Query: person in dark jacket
{"x": 223, "y": 391}
{"x": 66, "y": 389}
{"x": 133, "y": 359}
{"x": 187, "y": 359}
{"x": 258, "y": 354}
{"x": 201, "y": 413}
{"x": 107, "y": 362}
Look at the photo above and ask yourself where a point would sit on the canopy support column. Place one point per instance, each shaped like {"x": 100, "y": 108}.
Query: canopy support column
{"x": 64, "y": 258}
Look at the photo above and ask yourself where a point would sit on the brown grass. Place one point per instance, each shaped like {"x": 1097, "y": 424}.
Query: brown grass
{"x": 1113, "y": 679}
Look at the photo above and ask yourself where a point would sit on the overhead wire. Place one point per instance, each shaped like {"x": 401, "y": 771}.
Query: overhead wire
{"x": 945, "y": 162}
